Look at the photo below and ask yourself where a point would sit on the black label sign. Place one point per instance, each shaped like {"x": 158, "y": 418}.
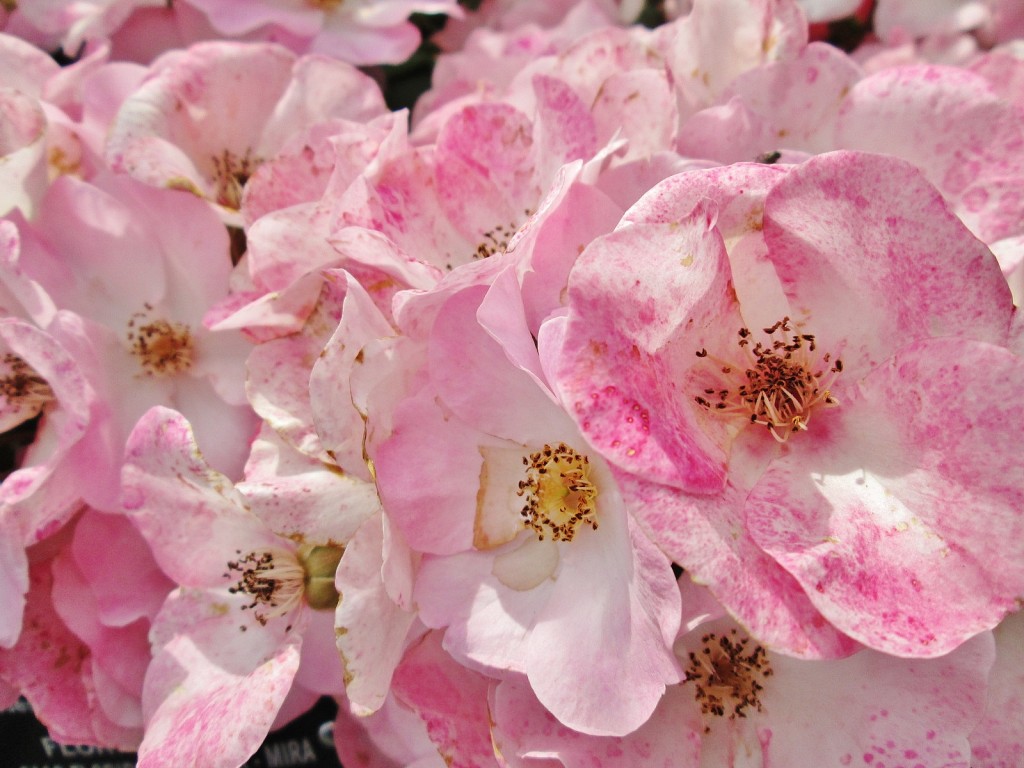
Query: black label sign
{"x": 306, "y": 741}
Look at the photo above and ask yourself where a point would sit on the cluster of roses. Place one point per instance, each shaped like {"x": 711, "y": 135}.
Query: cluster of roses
{"x": 650, "y": 397}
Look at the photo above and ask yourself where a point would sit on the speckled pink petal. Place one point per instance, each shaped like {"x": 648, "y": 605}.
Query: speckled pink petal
{"x": 627, "y": 344}
{"x": 739, "y": 192}
{"x": 450, "y": 699}
{"x": 563, "y": 129}
{"x": 371, "y": 629}
{"x": 392, "y": 737}
{"x": 899, "y": 512}
{"x": 485, "y": 171}
{"x": 326, "y": 153}
{"x": 1004, "y": 72}
{"x": 165, "y": 472}
{"x": 400, "y": 199}
{"x": 799, "y": 100}
{"x": 876, "y": 709}
{"x": 279, "y": 370}
{"x": 232, "y": 90}
{"x": 212, "y": 691}
{"x": 842, "y": 236}
{"x": 302, "y": 498}
{"x": 639, "y": 106}
{"x": 949, "y": 123}
{"x": 707, "y": 537}
{"x": 49, "y": 666}
{"x": 524, "y": 733}
{"x": 998, "y": 741}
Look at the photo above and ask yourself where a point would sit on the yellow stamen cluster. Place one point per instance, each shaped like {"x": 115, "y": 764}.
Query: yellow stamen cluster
{"x": 783, "y": 383}
{"x": 559, "y": 494}
{"x": 727, "y": 677}
{"x": 162, "y": 348}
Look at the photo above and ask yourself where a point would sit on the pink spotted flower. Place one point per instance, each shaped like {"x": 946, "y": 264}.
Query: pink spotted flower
{"x": 830, "y": 443}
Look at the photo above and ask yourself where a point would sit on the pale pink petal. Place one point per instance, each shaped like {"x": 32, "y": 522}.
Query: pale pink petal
{"x": 371, "y": 629}
{"x": 49, "y": 666}
{"x": 998, "y": 741}
{"x": 164, "y": 471}
{"x": 707, "y": 536}
{"x": 582, "y": 651}
{"x": 14, "y": 576}
{"x": 480, "y": 384}
{"x": 302, "y": 498}
{"x": 524, "y": 733}
{"x": 950, "y": 124}
{"x": 338, "y": 423}
{"x": 23, "y": 130}
{"x": 430, "y": 495}
{"x": 212, "y": 691}
{"x": 618, "y": 368}
{"x": 450, "y": 699}
{"x": 814, "y": 226}
{"x": 44, "y": 490}
{"x": 109, "y": 552}
{"x": 877, "y": 512}
{"x": 720, "y": 39}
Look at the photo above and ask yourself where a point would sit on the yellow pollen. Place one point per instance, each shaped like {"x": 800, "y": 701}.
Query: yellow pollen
{"x": 559, "y": 494}
{"x": 22, "y": 387}
{"x": 324, "y": 5}
{"x": 161, "y": 347}
{"x": 727, "y": 678}
{"x": 783, "y": 383}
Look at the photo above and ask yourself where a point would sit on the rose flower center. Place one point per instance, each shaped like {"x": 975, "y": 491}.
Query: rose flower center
{"x": 782, "y": 383}
{"x": 560, "y": 498}
{"x": 231, "y": 173}
{"x": 161, "y": 347}
{"x": 276, "y": 580}
{"x": 727, "y": 677}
